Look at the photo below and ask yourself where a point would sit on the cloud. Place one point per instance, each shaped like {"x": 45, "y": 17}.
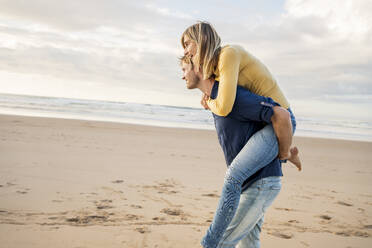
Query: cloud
{"x": 68, "y": 44}
{"x": 311, "y": 47}
{"x": 346, "y": 19}
{"x": 78, "y": 15}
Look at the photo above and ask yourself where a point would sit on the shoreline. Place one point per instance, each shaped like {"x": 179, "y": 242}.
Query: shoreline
{"x": 169, "y": 116}
{"x": 161, "y": 125}
{"x": 80, "y": 183}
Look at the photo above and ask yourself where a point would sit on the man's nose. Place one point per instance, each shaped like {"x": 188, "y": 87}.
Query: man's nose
{"x": 185, "y": 52}
{"x": 183, "y": 77}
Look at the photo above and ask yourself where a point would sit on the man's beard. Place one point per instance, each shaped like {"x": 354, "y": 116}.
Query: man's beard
{"x": 194, "y": 82}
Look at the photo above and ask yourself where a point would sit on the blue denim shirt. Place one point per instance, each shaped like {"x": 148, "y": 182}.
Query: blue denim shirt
{"x": 249, "y": 114}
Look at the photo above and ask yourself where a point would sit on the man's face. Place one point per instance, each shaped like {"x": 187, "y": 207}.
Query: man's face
{"x": 190, "y": 76}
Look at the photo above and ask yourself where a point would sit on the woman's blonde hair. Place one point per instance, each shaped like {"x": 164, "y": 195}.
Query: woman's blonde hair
{"x": 208, "y": 44}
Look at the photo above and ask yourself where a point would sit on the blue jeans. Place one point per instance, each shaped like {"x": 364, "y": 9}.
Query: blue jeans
{"x": 260, "y": 150}
{"x": 245, "y": 227}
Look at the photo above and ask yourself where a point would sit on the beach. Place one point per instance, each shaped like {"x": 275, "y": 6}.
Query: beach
{"x": 79, "y": 183}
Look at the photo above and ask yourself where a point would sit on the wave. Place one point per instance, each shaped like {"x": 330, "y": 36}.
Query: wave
{"x": 163, "y": 115}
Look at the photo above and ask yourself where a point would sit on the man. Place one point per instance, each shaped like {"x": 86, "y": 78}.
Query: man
{"x": 259, "y": 190}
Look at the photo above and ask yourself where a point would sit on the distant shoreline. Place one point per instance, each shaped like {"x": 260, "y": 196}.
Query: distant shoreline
{"x": 160, "y": 125}
{"x": 166, "y": 116}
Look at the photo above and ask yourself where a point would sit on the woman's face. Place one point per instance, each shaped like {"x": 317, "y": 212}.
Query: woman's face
{"x": 190, "y": 46}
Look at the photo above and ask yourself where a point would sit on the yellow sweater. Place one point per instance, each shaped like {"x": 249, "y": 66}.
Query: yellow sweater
{"x": 238, "y": 67}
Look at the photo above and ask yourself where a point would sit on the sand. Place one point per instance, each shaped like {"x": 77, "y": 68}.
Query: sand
{"x": 73, "y": 183}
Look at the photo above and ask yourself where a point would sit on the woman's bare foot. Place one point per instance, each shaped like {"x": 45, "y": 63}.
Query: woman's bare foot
{"x": 294, "y": 158}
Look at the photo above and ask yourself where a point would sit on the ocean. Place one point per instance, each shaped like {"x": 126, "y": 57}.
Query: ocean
{"x": 165, "y": 116}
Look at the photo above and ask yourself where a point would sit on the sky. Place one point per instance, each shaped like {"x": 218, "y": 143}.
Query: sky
{"x": 319, "y": 51}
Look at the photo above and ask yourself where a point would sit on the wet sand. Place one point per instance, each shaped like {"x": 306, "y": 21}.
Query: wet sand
{"x": 72, "y": 183}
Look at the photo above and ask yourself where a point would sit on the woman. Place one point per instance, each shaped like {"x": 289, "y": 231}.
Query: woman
{"x": 232, "y": 66}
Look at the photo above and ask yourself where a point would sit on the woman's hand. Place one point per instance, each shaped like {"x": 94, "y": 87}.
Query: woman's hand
{"x": 204, "y": 100}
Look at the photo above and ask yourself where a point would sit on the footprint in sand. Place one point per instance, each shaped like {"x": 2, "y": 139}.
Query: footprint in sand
{"x": 174, "y": 212}
{"x": 142, "y": 229}
{"x": 211, "y": 195}
{"x": 325, "y": 217}
{"x": 159, "y": 218}
{"x": 103, "y": 204}
{"x": 293, "y": 221}
{"x": 23, "y": 191}
{"x": 86, "y": 219}
{"x": 344, "y": 203}
{"x": 164, "y": 187}
{"x": 118, "y": 181}
{"x": 286, "y": 209}
{"x": 104, "y": 207}
{"x": 132, "y": 217}
{"x": 349, "y": 233}
{"x": 136, "y": 206}
{"x": 281, "y": 235}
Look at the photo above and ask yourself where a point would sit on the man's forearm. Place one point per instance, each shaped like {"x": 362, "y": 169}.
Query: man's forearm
{"x": 282, "y": 125}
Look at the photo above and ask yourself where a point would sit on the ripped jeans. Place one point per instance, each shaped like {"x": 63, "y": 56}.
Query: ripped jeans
{"x": 259, "y": 151}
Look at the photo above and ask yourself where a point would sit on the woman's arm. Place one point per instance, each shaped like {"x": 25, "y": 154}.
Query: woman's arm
{"x": 228, "y": 66}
